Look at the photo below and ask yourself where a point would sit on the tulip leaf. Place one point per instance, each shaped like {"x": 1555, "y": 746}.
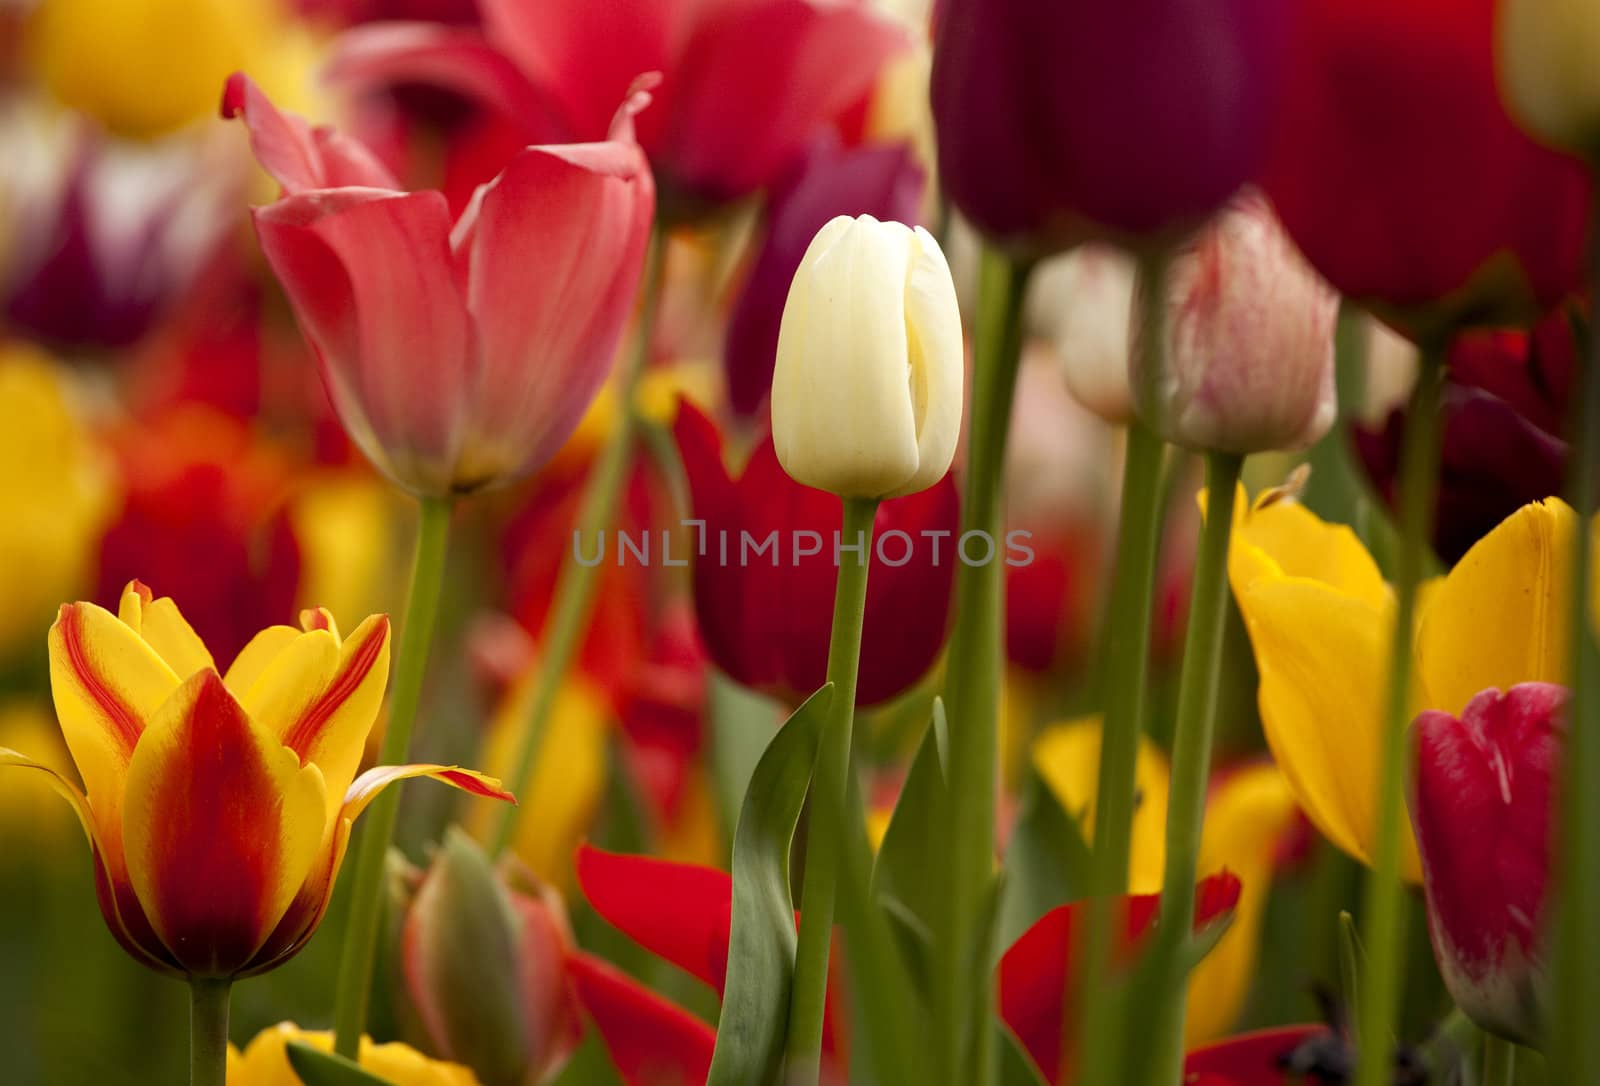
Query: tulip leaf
{"x": 906, "y": 878}
{"x": 315, "y": 1067}
{"x": 1048, "y": 863}
{"x": 761, "y": 938}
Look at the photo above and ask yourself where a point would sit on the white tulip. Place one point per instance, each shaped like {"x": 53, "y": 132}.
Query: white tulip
{"x": 1084, "y": 303}
{"x": 866, "y": 396}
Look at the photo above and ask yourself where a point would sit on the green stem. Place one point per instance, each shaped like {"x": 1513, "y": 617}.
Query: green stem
{"x": 1384, "y": 934}
{"x": 1575, "y": 1051}
{"x": 208, "y": 1032}
{"x": 826, "y": 822}
{"x": 411, "y": 664}
{"x": 1191, "y": 760}
{"x": 1126, "y": 659}
{"x": 574, "y": 596}
{"x": 964, "y": 985}
{"x": 1499, "y": 1061}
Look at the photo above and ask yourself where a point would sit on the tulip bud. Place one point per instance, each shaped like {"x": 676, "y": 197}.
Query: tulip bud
{"x": 1249, "y": 338}
{"x": 1482, "y": 808}
{"x": 483, "y": 964}
{"x": 1090, "y": 308}
{"x": 866, "y": 396}
{"x": 1546, "y": 51}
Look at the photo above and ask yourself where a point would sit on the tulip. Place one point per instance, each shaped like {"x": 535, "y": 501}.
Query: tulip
{"x": 483, "y": 955}
{"x": 1248, "y": 364}
{"x": 1399, "y": 174}
{"x": 1320, "y": 616}
{"x": 265, "y": 1061}
{"x": 1482, "y": 808}
{"x": 1133, "y": 118}
{"x": 1266, "y": 1057}
{"x": 203, "y": 512}
{"x": 1088, "y": 321}
{"x": 444, "y": 369}
{"x": 1545, "y": 48}
{"x": 652, "y": 1041}
{"x": 723, "y": 127}
{"x": 1033, "y": 972}
{"x": 1504, "y": 407}
{"x": 866, "y": 393}
{"x": 765, "y": 618}
{"x": 218, "y": 807}
{"x": 882, "y": 181}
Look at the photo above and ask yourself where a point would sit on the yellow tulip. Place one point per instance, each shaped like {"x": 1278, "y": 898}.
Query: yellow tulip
{"x": 1247, "y": 814}
{"x": 265, "y": 1061}
{"x": 1320, "y": 617}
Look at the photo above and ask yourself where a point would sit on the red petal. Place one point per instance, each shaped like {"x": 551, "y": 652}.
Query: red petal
{"x": 679, "y": 912}
{"x": 652, "y": 1042}
{"x": 1250, "y": 1059}
{"x": 298, "y": 156}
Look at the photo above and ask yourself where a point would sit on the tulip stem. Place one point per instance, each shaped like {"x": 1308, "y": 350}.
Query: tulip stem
{"x": 1499, "y": 1061}
{"x": 1384, "y": 935}
{"x": 574, "y": 595}
{"x": 964, "y": 984}
{"x": 354, "y": 986}
{"x": 1575, "y": 1049}
{"x": 1125, "y": 656}
{"x": 208, "y": 1032}
{"x": 1191, "y": 763}
{"x": 826, "y": 823}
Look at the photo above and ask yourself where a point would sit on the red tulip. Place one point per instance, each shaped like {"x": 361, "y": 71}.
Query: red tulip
{"x": 1399, "y": 173}
{"x": 1062, "y": 118}
{"x": 1269, "y": 1057}
{"x": 1482, "y": 810}
{"x": 1033, "y": 972}
{"x": 765, "y": 618}
{"x": 458, "y": 355}
{"x": 652, "y": 1041}
{"x": 747, "y": 83}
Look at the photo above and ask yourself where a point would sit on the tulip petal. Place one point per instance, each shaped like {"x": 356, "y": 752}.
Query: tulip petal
{"x": 1284, "y": 538}
{"x": 937, "y": 360}
{"x": 652, "y": 1042}
{"x": 325, "y": 697}
{"x": 1251, "y": 1059}
{"x": 373, "y": 284}
{"x": 1323, "y": 656}
{"x": 221, "y": 825}
{"x": 1501, "y": 617}
{"x": 164, "y": 629}
{"x": 575, "y": 220}
{"x": 259, "y": 653}
{"x": 366, "y": 787}
{"x": 676, "y": 911}
{"x": 298, "y": 156}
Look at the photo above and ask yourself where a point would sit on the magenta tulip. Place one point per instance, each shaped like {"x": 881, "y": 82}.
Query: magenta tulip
{"x": 458, "y": 355}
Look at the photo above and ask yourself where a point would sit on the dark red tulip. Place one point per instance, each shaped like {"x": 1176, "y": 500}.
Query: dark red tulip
{"x": 1482, "y": 808}
{"x": 1504, "y": 410}
{"x": 1049, "y": 600}
{"x": 1033, "y": 972}
{"x": 1060, "y": 118}
{"x": 1398, "y": 171}
{"x": 885, "y": 182}
{"x": 765, "y": 619}
{"x": 748, "y": 84}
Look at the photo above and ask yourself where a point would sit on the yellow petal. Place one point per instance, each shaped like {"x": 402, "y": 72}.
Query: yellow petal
{"x": 1067, "y": 756}
{"x": 256, "y": 656}
{"x": 1502, "y": 616}
{"x": 1247, "y": 815}
{"x": 265, "y": 1061}
{"x": 1323, "y": 658}
{"x": 1284, "y": 538}
{"x": 164, "y": 629}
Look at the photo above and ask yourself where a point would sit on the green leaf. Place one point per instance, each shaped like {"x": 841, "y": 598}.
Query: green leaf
{"x": 318, "y": 1068}
{"x": 1047, "y": 863}
{"x": 743, "y": 722}
{"x": 761, "y": 940}
{"x": 905, "y": 881}
{"x": 1352, "y": 962}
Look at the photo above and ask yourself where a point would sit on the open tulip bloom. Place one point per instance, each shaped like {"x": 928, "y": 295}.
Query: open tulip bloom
{"x": 218, "y": 805}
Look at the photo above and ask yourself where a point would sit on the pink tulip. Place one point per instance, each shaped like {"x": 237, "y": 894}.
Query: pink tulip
{"x": 458, "y": 355}
{"x": 1482, "y": 811}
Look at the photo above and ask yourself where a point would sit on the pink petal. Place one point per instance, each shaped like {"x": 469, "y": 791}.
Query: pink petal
{"x": 297, "y": 155}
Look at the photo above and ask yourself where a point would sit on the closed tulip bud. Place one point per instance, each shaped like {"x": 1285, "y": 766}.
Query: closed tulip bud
{"x": 1088, "y": 298}
{"x": 483, "y": 961}
{"x": 1546, "y": 51}
{"x": 866, "y": 396}
{"x": 1249, "y": 337}
{"x": 1482, "y": 806}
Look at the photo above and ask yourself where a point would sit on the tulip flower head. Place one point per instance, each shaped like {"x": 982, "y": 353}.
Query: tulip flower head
{"x": 1090, "y": 317}
{"x": 1545, "y": 53}
{"x": 1249, "y": 329}
{"x": 447, "y": 370}
{"x": 1482, "y": 807}
{"x": 218, "y": 806}
{"x": 265, "y": 1061}
{"x": 866, "y": 395}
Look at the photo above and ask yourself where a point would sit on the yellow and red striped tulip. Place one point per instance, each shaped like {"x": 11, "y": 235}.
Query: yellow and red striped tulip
{"x": 218, "y": 805}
